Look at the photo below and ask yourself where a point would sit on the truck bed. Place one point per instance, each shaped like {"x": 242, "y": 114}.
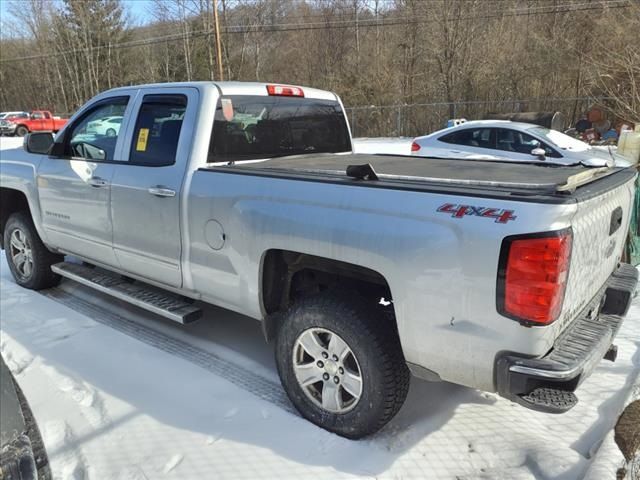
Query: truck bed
{"x": 547, "y": 183}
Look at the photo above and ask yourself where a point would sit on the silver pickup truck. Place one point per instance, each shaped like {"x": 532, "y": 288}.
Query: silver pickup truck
{"x": 362, "y": 268}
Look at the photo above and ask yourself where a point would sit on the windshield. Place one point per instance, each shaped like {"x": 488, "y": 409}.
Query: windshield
{"x": 559, "y": 139}
{"x": 255, "y": 127}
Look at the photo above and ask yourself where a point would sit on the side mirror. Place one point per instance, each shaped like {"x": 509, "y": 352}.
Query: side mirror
{"x": 38, "y": 142}
{"x": 57, "y": 150}
{"x": 539, "y": 152}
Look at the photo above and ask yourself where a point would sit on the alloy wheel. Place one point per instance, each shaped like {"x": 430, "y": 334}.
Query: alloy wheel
{"x": 327, "y": 370}
{"x": 21, "y": 253}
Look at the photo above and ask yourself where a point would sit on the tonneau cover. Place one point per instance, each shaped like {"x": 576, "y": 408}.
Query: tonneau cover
{"x": 541, "y": 177}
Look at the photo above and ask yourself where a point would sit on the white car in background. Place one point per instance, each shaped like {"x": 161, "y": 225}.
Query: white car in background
{"x": 109, "y": 126}
{"x": 503, "y": 140}
{"x": 383, "y": 145}
{"x": 4, "y": 115}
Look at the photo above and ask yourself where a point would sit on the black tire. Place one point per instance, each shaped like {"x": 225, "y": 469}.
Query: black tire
{"x": 110, "y": 132}
{"x": 40, "y": 275}
{"x": 33, "y": 432}
{"x": 372, "y": 338}
{"x": 21, "y": 131}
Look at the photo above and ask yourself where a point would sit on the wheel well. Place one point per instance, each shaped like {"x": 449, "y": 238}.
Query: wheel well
{"x": 287, "y": 276}
{"x": 11, "y": 201}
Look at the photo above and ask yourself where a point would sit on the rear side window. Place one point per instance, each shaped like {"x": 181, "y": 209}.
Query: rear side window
{"x": 157, "y": 131}
{"x": 471, "y": 137}
{"x": 250, "y": 127}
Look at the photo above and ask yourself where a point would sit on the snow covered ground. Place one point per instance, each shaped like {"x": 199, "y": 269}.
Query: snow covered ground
{"x": 15, "y": 145}
{"x": 121, "y": 394}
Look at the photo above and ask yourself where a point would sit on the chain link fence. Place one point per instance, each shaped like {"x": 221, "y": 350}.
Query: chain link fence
{"x": 634, "y": 235}
{"x": 410, "y": 120}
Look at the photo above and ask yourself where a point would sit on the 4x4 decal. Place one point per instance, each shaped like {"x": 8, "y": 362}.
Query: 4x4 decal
{"x": 459, "y": 211}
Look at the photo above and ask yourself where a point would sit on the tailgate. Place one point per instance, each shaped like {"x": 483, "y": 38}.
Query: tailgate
{"x": 600, "y": 228}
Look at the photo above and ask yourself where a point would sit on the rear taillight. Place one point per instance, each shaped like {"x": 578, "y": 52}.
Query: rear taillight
{"x": 532, "y": 276}
{"x": 415, "y": 147}
{"x": 284, "y": 91}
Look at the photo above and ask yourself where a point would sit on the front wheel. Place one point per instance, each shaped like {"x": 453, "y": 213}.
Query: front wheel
{"x": 21, "y": 131}
{"x": 29, "y": 260}
{"x": 341, "y": 364}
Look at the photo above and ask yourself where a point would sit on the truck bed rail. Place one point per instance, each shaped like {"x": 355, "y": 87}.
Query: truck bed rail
{"x": 396, "y": 171}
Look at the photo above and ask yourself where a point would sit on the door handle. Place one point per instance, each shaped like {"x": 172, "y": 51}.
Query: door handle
{"x": 160, "y": 191}
{"x": 97, "y": 182}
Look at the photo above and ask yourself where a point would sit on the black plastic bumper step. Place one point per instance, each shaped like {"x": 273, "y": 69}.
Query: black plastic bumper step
{"x": 621, "y": 289}
{"x": 144, "y": 296}
{"x": 550, "y": 400}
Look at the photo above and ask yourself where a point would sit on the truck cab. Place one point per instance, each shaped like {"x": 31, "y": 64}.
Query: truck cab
{"x": 120, "y": 199}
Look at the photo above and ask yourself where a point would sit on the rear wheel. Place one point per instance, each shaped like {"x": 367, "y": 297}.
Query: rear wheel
{"x": 341, "y": 364}
{"x": 21, "y": 131}
{"x": 110, "y": 132}
{"x": 29, "y": 260}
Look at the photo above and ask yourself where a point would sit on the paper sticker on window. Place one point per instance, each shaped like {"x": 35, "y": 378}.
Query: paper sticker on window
{"x": 227, "y": 109}
{"x": 143, "y": 135}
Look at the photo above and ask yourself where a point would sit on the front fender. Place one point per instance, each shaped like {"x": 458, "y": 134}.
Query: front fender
{"x": 18, "y": 172}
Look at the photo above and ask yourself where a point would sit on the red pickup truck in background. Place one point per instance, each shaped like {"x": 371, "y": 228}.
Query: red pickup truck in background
{"x": 37, "y": 121}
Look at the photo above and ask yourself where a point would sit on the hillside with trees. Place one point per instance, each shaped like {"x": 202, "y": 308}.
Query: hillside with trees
{"x": 442, "y": 58}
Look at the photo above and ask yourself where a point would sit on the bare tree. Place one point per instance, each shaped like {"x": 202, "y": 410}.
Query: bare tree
{"x": 369, "y": 51}
{"x": 616, "y": 71}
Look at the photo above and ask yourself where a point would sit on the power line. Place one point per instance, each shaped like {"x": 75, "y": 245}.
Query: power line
{"x": 373, "y": 22}
{"x": 336, "y": 25}
{"x": 333, "y": 10}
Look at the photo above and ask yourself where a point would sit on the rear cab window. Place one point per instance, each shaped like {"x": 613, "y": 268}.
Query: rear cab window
{"x": 248, "y": 127}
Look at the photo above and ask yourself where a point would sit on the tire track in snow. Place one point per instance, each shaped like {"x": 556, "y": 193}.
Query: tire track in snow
{"x": 71, "y": 463}
{"x": 244, "y": 378}
{"x": 89, "y": 401}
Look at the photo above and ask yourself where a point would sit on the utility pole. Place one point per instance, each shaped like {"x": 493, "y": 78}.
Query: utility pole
{"x": 218, "y": 44}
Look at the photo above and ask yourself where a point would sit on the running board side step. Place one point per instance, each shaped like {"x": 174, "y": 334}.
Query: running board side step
{"x": 143, "y": 296}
